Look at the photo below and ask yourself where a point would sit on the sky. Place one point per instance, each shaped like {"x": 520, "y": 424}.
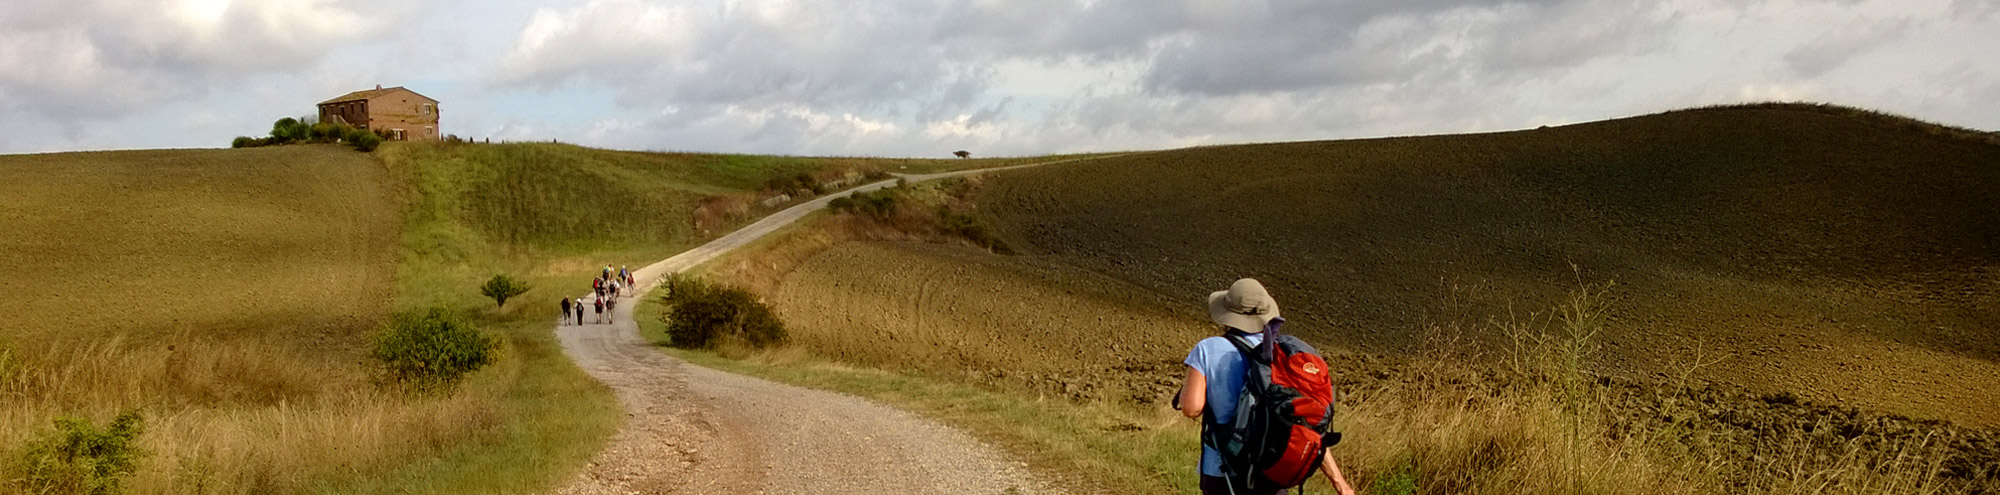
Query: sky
{"x": 993, "y": 77}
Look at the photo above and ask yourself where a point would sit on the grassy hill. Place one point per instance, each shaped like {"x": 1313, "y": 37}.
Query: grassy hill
{"x": 1763, "y": 297}
{"x": 229, "y": 295}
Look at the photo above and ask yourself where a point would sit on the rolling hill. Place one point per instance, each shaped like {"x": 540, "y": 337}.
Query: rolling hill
{"x": 1769, "y": 298}
{"x": 229, "y": 296}
{"x": 1833, "y": 254}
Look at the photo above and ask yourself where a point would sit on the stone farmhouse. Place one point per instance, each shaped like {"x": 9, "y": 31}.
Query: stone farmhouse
{"x": 398, "y": 112}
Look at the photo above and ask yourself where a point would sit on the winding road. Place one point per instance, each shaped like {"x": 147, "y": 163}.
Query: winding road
{"x": 690, "y": 429}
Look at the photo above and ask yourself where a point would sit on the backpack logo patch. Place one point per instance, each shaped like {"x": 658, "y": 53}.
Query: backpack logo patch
{"x": 1312, "y": 369}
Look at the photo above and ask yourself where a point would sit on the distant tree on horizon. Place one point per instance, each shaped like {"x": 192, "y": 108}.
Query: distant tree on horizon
{"x": 962, "y": 154}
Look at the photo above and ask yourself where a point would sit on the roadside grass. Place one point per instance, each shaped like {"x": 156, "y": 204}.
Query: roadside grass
{"x": 1438, "y": 424}
{"x": 1424, "y": 436}
{"x": 1101, "y": 446}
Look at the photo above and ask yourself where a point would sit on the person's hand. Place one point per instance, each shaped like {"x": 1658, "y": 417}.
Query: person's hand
{"x": 1333, "y": 474}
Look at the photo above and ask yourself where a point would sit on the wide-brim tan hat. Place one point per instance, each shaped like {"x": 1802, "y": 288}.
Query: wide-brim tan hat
{"x": 1246, "y": 306}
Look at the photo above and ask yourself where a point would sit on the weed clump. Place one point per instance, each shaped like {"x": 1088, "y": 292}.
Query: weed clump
{"x": 704, "y": 314}
{"x": 434, "y": 348}
{"x": 79, "y": 458}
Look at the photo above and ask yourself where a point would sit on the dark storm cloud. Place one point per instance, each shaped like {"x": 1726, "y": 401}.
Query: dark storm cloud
{"x": 927, "y": 60}
{"x": 1311, "y": 45}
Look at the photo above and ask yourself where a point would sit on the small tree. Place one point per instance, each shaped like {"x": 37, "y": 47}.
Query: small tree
{"x": 962, "y": 154}
{"x": 501, "y": 287}
{"x": 289, "y": 130}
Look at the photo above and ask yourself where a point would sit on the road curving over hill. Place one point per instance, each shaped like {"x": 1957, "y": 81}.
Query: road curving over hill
{"x": 690, "y": 429}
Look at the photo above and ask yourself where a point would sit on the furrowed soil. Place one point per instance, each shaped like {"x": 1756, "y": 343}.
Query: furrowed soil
{"x": 1790, "y": 287}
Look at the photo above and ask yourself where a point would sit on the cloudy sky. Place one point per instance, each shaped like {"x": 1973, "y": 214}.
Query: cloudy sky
{"x": 998, "y": 77}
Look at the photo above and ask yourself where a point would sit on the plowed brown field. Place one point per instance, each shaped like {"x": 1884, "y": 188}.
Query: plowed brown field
{"x": 1828, "y": 255}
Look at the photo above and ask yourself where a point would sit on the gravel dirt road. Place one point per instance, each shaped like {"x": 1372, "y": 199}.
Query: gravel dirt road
{"x": 689, "y": 429}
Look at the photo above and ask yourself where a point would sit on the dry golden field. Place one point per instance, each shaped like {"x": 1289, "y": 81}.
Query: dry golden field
{"x": 229, "y": 297}
{"x": 225, "y": 294}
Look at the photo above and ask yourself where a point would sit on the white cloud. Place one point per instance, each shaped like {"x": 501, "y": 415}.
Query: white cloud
{"x": 78, "y": 61}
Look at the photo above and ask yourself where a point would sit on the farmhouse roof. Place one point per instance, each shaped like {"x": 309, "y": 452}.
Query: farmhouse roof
{"x": 369, "y": 94}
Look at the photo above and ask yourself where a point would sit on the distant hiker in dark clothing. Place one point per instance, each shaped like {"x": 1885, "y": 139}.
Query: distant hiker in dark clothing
{"x": 579, "y": 311}
{"x": 600, "y": 309}
{"x": 1216, "y": 377}
{"x": 565, "y": 306}
{"x": 610, "y": 310}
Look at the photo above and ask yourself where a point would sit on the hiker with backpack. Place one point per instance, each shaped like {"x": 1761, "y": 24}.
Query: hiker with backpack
{"x": 1265, "y": 400}
{"x": 579, "y": 311}
{"x": 565, "y": 306}
{"x": 599, "y": 309}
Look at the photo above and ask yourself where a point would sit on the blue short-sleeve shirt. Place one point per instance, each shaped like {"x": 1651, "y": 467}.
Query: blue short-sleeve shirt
{"x": 1220, "y": 363}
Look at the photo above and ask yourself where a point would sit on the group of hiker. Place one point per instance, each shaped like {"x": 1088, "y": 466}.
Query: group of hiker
{"x": 604, "y": 293}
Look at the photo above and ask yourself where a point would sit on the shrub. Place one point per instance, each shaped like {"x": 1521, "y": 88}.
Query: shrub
{"x": 362, "y": 140}
{"x": 704, "y": 314}
{"x": 879, "y": 204}
{"x": 501, "y": 287}
{"x": 433, "y": 348}
{"x": 79, "y": 458}
{"x": 970, "y": 228}
{"x": 327, "y": 132}
{"x": 245, "y": 142}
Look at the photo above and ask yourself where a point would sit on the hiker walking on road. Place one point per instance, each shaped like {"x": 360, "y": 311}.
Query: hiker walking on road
{"x": 579, "y": 312}
{"x": 615, "y": 290}
{"x": 610, "y": 310}
{"x": 565, "y": 306}
{"x": 600, "y": 309}
{"x": 1217, "y": 377}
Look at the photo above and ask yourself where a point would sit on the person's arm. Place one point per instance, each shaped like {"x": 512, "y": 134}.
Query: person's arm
{"x": 1333, "y": 475}
{"x": 1194, "y": 393}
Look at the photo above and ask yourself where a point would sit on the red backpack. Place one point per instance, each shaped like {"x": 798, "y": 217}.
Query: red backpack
{"x": 1283, "y": 416}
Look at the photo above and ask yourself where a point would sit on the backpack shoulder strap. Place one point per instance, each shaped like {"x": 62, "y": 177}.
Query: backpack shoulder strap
{"x": 1243, "y": 345}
